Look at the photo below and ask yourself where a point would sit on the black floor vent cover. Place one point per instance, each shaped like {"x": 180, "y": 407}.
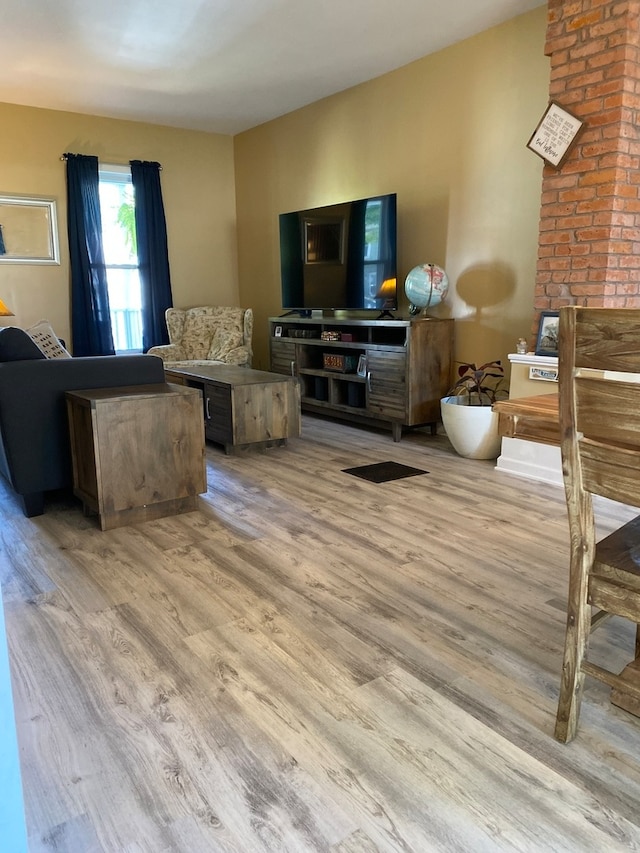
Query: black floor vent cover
{"x": 383, "y": 472}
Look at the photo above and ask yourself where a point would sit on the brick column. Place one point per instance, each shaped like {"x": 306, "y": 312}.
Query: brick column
{"x": 589, "y": 244}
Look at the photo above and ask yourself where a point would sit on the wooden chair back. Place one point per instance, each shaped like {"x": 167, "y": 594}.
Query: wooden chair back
{"x": 599, "y": 385}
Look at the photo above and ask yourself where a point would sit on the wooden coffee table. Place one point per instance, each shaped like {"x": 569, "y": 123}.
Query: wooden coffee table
{"x": 243, "y": 408}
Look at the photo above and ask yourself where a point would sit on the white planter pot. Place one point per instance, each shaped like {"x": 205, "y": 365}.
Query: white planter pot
{"x": 472, "y": 430}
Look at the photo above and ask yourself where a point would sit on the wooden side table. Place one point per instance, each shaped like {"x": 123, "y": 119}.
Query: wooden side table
{"x": 138, "y": 452}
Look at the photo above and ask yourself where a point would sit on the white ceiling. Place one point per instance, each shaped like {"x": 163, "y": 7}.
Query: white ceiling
{"x": 219, "y": 65}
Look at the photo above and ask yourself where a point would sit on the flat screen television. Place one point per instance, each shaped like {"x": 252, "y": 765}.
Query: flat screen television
{"x": 340, "y": 256}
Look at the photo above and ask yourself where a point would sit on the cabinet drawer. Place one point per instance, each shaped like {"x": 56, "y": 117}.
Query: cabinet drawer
{"x": 283, "y": 355}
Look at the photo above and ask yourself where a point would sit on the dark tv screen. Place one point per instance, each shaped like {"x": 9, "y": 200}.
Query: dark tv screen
{"x": 340, "y": 256}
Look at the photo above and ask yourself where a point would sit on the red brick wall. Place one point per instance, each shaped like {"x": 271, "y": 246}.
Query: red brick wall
{"x": 589, "y": 244}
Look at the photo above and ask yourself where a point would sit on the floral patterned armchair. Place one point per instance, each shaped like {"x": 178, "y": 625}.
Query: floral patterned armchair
{"x": 207, "y": 335}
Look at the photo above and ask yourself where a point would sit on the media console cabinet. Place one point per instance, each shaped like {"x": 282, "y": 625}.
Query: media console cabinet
{"x": 388, "y": 371}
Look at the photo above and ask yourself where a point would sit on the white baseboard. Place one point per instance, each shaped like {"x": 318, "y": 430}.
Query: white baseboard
{"x": 531, "y": 460}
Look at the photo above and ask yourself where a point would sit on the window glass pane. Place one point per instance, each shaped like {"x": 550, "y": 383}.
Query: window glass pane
{"x": 126, "y": 314}
{"x": 117, "y": 208}
{"x": 373, "y": 275}
{"x": 118, "y": 222}
{"x": 372, "y": 222}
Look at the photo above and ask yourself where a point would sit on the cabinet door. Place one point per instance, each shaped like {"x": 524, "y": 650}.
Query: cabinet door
{"x": 218, "y": 416}
{"x": 387, "y": 384}
{"x": 283, "y": 357}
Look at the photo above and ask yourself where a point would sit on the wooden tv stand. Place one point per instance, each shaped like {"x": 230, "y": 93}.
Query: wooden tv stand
{"x": 406, "y": 367}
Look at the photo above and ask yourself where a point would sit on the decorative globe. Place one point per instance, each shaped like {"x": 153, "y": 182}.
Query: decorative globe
{"x": 425, "y": 286}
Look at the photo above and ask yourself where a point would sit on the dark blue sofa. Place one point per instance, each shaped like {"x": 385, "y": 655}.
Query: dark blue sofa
{"x": 34, "y": 434}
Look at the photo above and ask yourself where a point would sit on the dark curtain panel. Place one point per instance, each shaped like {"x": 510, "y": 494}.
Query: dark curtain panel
{"x": 153, "y": 255}
{"x": 356, "y": 244}
{"x": 388, "y": 230}
{"x": 291, "y": 260}
{"x": 90, "y": 317}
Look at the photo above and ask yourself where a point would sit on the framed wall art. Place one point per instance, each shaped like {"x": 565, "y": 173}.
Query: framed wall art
{"x": 555, "y": 134}
{"x": 28, "y": 230}
{"x": 547, "y": 342}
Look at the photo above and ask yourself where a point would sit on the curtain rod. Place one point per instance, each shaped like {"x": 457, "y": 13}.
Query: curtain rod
{"x": 65, "y": 156}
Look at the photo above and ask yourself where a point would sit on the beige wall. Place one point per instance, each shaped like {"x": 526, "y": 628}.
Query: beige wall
{"x": 198, "y": 191}
{"x": 448, "y": 134}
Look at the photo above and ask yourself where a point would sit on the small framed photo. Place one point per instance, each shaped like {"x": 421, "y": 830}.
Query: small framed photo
{"x": 556, "y": 132}
{"x": 278, "y": 331}
{"x": 547, "y": 341}
{"x": 362, "y": 365}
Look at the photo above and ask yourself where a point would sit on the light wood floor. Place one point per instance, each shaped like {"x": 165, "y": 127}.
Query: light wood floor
{"x": 311, "y": 662}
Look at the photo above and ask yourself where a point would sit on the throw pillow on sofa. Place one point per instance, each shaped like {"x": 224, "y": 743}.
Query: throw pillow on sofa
{"x": 197, "y": 334}
{"x": 223, "y": 342}
{"x": 45, "y": 338}
{"x": 16, "y": 345}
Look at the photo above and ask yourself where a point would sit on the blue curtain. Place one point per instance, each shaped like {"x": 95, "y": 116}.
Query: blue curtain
{"x": 90, "y": 317}
{"x": 356, "y": 243}
{"x": 153, "y": 255}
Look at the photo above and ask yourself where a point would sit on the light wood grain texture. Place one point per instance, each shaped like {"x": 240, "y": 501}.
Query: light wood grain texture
{"x": 244, "y": 408}
{"x": 600, "y": 429}
{"x": 138, "y": 453}
{"x": 530, "y": 418}
{"x": 311, "y": 662}
{"x": 408, "y": 367}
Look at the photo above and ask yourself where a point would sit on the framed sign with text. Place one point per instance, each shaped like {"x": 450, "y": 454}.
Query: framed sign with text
{"x": 555, "y": 134}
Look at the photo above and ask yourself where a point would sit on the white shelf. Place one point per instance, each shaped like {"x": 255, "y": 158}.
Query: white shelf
{"x": 533, "y": 360}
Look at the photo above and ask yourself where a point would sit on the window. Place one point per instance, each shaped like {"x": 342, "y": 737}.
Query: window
{"x": 374, "y": 267}
{"x": 117, "y": 209}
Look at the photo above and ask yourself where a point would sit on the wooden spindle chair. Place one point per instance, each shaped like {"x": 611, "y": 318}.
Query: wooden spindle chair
{"x": 599, "y": 384}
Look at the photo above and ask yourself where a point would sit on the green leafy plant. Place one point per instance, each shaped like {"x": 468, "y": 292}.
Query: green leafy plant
{"x": 481, "y": 386}
{"x": 127, "y": 221}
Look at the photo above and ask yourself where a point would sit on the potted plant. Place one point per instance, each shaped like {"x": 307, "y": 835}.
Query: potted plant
{"x": 467, "y": 416}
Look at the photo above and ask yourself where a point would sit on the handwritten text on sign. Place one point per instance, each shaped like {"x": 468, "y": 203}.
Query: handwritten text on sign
{"x": 554, "y": 135}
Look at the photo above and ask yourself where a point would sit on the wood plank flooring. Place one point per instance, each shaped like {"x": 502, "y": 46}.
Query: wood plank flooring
{"x": 312, "y": 662}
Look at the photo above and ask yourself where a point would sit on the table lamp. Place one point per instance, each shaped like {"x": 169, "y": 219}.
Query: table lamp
{"x": 387, "y": 292}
